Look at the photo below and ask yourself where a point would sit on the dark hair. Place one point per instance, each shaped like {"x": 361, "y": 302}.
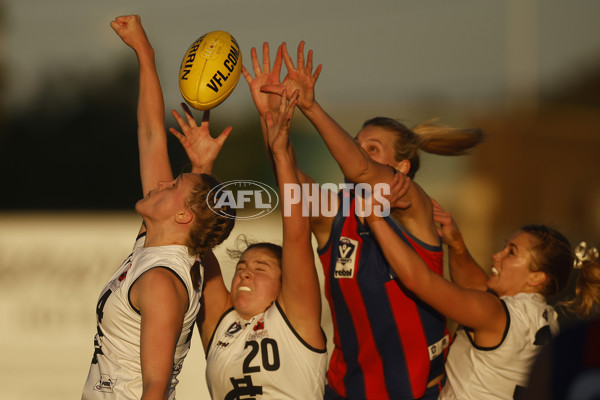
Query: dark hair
{"x": 429, "y": 136}
{"x": 209, "y": 228}
{"x": 243, "y": 244}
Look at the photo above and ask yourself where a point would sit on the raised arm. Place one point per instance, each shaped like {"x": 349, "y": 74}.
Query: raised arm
{"x": 464, "y": 270}
{"x": 300, "y": 295}
{"x": 152, "y": 138}
{"x": 265, "y": 102}
{"x": 159, "y": 296}
{"x": 356, "y": 165}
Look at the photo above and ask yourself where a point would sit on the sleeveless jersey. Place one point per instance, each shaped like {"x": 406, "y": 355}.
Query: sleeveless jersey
{"x": 387, "y": 343}
{"x": 475, "y": 372}
{"x": 115, "y": 371}
{"x": 263, "y": 358}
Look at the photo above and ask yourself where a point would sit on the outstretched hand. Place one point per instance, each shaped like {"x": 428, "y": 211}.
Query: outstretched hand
{"x": 130, "y": 30}
{"x": 265, "y": 102}
{"x": 379, "y": 203}
{"x": 300, "y": 77}
{"x": 201, "y": 148}
{"x": 399, "y": 186}
{"x": 448, "y": 230}
{"x": 278, "y": 128}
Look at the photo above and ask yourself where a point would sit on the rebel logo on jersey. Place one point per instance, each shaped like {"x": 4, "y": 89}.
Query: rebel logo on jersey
{"x": 346, "y": 258}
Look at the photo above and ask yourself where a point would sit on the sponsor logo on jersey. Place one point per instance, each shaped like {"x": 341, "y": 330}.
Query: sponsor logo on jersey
{"x": 262, "y": 333}
{"x": 105, "y": 384}
{"x": 259, "y": 326}
{"x": 258, "y": 330}
{"x": 233, "y": 328}
{"x": 222, "y": 344}
{"x": 437, "y": 348}
{"x": 124, "y": 274}
{"x": 346, "y": 258}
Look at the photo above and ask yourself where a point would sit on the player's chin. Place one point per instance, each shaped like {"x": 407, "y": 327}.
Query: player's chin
{"x": 140, "y": 205}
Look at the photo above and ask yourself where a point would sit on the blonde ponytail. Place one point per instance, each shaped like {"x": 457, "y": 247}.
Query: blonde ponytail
{"x": 428, "y": 136}
{"x": 587, "y": 289}
{"x": 446, "y": 141}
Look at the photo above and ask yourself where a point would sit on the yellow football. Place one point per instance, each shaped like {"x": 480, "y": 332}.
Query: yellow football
{"x": 210, "y": 70}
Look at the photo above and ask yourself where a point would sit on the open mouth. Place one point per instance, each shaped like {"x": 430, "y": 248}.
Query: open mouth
{"x": 494, "y": 271}
{"x": 244, "y": 289}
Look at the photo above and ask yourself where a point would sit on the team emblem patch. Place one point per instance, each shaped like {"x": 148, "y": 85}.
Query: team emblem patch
{"x": 346, "y": 258}
{"x": 105, "y": 384}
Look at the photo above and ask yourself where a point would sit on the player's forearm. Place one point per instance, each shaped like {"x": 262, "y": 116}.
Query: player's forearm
{"x": 152, "y": 140}
{"x": 354, "y": 163}
{"x": 151, "y": 109}
{"x": 295, "y": 226}
{"x": 464, "y": 270}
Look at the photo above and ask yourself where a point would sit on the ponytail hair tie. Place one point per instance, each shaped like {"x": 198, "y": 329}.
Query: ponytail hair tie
{"x": 582, "y": 253}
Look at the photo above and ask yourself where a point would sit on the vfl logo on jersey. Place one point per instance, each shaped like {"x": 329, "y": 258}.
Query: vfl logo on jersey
{"x": 105, "y": 384}
{"x": 346, "y": 258}
{"x": 233, "y": 328}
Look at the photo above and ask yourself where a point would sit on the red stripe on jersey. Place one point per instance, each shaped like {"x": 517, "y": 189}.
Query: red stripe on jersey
{"x": 415, "y": 346}
{"x": 433, "y": 260}
{"x": 337, "y": 366}
{"x": 368, "y": 355}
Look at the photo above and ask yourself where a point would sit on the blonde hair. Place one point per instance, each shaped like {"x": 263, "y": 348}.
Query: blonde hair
{"x": 587, "y": 289}
{"x": 209, "y": 228}
{"x": 429, "y": 136}
{"x": 554, "y": 257}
